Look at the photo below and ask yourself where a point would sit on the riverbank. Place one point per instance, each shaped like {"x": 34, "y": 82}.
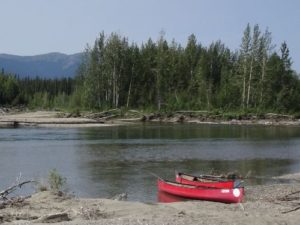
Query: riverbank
{"x": 49, "y": 119}
{"x": 269, "y": 204}
{"x": 115, "y": 117}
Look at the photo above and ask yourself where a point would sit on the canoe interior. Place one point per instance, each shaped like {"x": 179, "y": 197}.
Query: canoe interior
{"x": 188, "y": 185}
{"x": 205, "y": 178}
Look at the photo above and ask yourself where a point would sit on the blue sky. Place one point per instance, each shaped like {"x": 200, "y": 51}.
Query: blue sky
{"x": 29, "y": 27}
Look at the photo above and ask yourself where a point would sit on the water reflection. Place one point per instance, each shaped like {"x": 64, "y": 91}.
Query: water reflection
{"x": 191, "y": 131}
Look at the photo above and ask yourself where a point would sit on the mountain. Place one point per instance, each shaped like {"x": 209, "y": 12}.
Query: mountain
{"x": 51, "y": 65}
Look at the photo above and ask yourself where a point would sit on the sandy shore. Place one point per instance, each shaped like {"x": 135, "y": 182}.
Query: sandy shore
{"x": 59, "y": 119}
{"x": 262, "y": 205}
{"x": 49, "y": 119}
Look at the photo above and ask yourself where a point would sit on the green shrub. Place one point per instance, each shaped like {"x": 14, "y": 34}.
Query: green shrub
{"x": 297, "y": 115}
{"x": 56, "y": 181}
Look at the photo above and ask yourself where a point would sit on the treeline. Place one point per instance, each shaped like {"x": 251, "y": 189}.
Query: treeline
{"x": 35, "y": 92}
{"x": 166, "y": 76}
{"x": 162, "y": 75}
{"x": 9, "y": 89}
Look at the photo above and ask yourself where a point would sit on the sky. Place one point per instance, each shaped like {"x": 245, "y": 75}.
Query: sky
{"x": 30, "y": 27}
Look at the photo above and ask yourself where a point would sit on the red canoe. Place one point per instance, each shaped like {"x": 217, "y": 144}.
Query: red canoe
{"x": 225, "y": 195}
{"x": 204, "y": 181}
{"x": 164, "y": 197}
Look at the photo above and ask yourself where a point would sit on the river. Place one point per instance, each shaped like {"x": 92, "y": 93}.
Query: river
{"x": 103, "y": 162}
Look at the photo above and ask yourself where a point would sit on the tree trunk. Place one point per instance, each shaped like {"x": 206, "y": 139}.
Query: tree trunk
{"x": 209, "y": 90}
{"x": 129, "y": 91}
{"x": 207, "y": 97}
{"x": 262, "y": 80}
{"x": 249, "y": 82}
{"x": 117, "y": 96}
{"x": 98, "y": 93}
{"x": 158, "y": 90}
{"x": 244, "y": 84}
{"x": 114, "y": 85}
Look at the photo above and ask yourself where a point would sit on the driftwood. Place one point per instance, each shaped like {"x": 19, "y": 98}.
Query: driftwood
{"x": 296, "y": 192}
{"x": 6, "y": 192}
{"x": 132, "y": 111}
{"x": 13, "y": 201}
{"x": 105, "y": 115}
{"x": 292, "y": 210}
{"x": 191, "y": 111}
{"x": 292, "y": 199}
{"x": 54, "y": 218}
{"x": 278, "y": 116}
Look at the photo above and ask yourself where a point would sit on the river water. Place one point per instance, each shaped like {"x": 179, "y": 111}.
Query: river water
{"x": 103, "y": 162}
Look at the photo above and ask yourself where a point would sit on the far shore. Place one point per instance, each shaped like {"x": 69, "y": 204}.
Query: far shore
{"x": 266, "y": 204}
{"x": 48, "y": 119}
{"x": 88, "y": 119}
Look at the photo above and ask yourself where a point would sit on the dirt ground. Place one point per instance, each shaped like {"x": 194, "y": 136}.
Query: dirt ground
{"x": 271, "y": 204}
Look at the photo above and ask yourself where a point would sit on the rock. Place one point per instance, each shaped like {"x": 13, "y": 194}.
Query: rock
{"x": 120, "y": 197}
{"x": 144, "y": 118}
{"x": 180, "y": 119}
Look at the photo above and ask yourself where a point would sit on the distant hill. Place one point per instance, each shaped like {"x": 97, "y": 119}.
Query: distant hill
{"x": 51, "y": 65}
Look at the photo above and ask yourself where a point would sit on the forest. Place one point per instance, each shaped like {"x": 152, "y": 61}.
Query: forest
{"x": 166, "y": 76}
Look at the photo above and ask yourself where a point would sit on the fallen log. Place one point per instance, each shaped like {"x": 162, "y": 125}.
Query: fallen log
{"x": 54, "y": 218}
{"x": 292, "y": 199}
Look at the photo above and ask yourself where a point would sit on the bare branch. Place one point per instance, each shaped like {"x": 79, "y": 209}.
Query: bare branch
{"x": 4, "y": 193}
